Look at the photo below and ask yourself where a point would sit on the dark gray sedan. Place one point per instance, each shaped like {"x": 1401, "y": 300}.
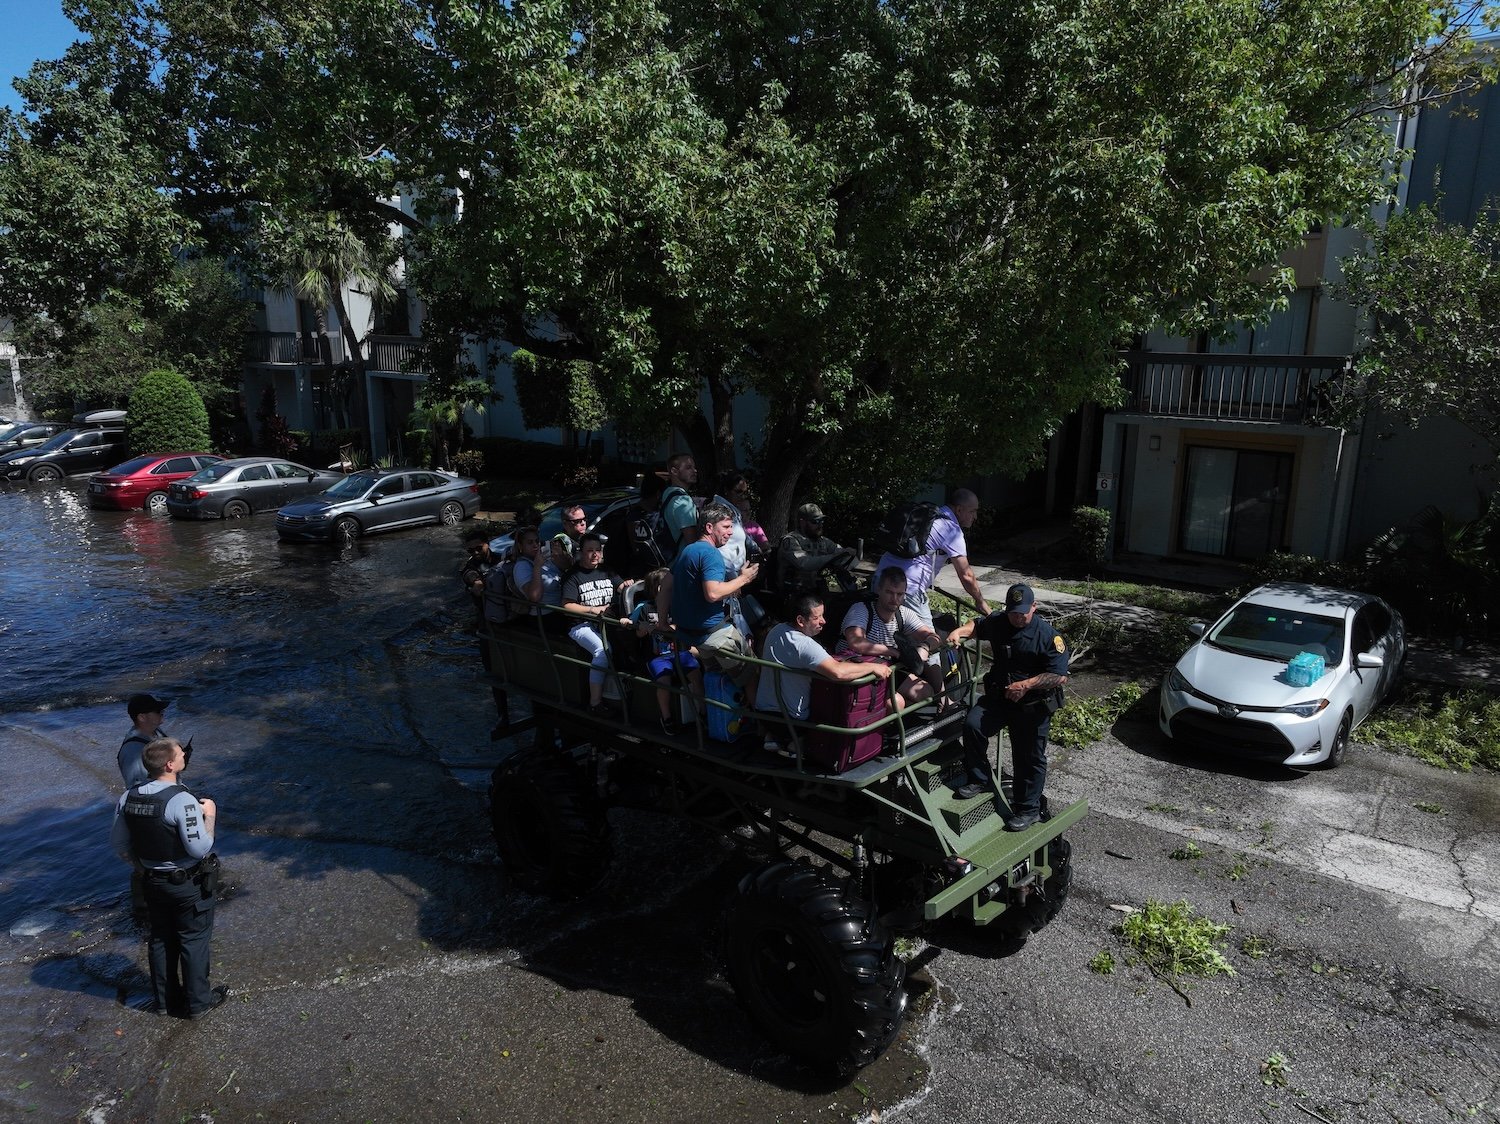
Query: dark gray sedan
{"x": 241, "y": 487}
{"x": 379, "y": 499}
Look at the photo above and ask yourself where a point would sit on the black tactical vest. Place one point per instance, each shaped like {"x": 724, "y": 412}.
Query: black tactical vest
{"x": 152, "y": 840}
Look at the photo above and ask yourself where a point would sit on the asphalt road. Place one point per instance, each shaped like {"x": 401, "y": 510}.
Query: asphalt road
{"x": 383, "y": 970}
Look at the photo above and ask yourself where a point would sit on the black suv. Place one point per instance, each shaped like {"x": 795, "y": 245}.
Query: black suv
{"x": 74, "y": 452}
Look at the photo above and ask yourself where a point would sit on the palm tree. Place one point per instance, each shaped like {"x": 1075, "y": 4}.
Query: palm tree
{"x": 318, "y": 256}
{"x": 441, "y": 417}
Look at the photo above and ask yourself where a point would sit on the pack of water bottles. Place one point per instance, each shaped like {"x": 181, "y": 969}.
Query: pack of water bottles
{"x": 1305, "y": 669}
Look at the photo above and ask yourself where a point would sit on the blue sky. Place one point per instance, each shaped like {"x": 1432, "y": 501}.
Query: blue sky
{"x": 32, "y": 29}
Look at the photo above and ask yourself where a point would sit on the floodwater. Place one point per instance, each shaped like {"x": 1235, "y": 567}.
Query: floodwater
{"x": 341, "y": 722}
{"x": 279, "y": 659}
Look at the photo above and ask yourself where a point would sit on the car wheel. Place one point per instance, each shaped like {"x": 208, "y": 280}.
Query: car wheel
{"x": 813, "y": 966}
{"x": 451, "y": 514}
{"x": 236, "y": 509}
{"x": 156, "y": 503}
{"x": 45, "y": 474}
{"x": 346, "y": 530}
{"x": 1339, "y": 747}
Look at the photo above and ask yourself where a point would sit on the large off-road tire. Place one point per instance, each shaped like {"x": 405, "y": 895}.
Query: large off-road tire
{"x": 551, "y": 834}
{"x": 813, "y": 967}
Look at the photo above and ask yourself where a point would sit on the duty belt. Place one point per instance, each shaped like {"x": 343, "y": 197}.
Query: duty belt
{"x": 176, "y": 876}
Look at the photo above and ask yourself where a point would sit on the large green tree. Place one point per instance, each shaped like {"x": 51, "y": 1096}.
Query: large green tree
{"x": 918, "y": 230}
{"x": 1431, "y": 293}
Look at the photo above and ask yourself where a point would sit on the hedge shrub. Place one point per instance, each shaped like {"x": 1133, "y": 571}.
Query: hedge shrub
{"x": 166, "y": 415}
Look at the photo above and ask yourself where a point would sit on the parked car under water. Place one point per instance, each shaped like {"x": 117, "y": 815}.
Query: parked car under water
{"x": 73, "y": 452}
{"x": 1236, "y": 691}
{"x": 27, "y": 434}
{"x": 236, "y": 488}
{"x": 141, "y": 483}
{"x": 374, "y": 500}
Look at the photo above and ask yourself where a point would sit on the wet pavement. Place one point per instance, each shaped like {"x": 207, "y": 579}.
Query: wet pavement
{"x": 383, "y": 969}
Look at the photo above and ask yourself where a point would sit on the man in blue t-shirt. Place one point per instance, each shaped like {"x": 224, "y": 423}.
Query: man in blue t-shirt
{"x": 692, "y": 596}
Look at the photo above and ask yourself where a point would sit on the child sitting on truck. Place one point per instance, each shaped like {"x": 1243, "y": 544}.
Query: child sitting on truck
{"x": 664, "y": 652}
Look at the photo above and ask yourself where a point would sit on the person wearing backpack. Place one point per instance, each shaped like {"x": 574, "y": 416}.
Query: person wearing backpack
{"x": 483, "y": 576}
{"x": 885, "y": 629}
{"x": 930, "y": 540}
{"x": 679, "y": 510}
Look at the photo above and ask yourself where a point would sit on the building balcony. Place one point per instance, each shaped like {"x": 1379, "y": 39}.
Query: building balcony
{"x": 394, "y": 354}
{"x": 1260, "y": 388}
{"x": 293, "y": 349}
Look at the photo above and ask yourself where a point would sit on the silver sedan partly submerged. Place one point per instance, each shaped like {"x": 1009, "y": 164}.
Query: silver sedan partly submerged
{"x": 379, "y": 500}
{"x": 1285, "y": 675}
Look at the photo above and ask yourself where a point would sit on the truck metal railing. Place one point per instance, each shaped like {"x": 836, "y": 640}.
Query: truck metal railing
{"x": 561, "y": 653}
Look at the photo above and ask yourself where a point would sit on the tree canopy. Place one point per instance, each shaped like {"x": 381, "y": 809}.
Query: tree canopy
{"x": 919, "y": 231}
{"x": 1431, "y": 292}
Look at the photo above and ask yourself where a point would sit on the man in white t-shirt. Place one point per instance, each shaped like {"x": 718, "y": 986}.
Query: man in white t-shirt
{"x": 945, "y": 544}
{"x": 888, "y": 630}
{"x": 792, "y": 645}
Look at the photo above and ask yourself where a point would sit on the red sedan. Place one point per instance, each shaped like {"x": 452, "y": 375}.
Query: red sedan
{"x": 143, "y": 481}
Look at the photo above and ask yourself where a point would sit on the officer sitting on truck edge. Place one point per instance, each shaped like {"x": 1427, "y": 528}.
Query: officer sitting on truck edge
{"x": 1021, "y": 691}
{"x": 804, "y": 553}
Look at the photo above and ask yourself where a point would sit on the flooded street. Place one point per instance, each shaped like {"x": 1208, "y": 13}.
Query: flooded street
{"x": 339, "y": 721}
{"x": 383, "y": 968}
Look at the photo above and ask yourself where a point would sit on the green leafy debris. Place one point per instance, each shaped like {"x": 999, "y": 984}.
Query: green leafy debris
{"x": 1172, "y": 941}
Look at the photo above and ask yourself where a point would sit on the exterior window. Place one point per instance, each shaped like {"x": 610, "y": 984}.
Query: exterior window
{"x": 1235, "y": 502}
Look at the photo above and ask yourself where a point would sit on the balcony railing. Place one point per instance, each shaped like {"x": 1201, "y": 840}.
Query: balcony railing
{"x": 394, "y": 353}
{"x": 384, "y": 353}
{"x": 1270, "y": 388}
{"x": 292, "y": 348}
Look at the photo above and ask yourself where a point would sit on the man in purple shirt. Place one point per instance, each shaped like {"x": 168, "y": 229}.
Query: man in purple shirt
{"x": 945, "y": 544}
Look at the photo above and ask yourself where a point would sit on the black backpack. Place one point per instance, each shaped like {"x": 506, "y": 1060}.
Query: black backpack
{"x": 906, "y": 528}
{"x": 500, "y": 592}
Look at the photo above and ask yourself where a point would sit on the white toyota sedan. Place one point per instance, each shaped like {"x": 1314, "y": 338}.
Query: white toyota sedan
{"x": 1235, "y": 691}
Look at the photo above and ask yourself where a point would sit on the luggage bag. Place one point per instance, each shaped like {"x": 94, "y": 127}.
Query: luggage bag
{"x": 850, "y": 705}
{"x": 724, "y": 725}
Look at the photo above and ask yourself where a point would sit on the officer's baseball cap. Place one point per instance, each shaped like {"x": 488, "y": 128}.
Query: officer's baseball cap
{"x": 810, "y": 511}
{"x": 1019, "y": 598}
{"x": 145, "y": 704}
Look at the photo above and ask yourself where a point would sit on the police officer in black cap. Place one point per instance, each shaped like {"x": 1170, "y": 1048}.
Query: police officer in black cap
{"x": 1021, "y": 691}
{"x": 146, "y": 714}
{"x": 168, "y": 833}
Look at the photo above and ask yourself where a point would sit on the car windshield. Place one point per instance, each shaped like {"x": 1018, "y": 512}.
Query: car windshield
{"x": 133, "y": 465}
{"x": 552, "y": 518}
{"x": 9, "y": 431}
{"x": 54, "y": 442}
{"x": 213, "y": 472}
{"x": 1279, "y": 634}
{"x": 352, "y": 487}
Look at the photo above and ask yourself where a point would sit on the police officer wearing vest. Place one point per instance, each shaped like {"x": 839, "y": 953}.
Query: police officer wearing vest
{"x": 166, "y": 832}
{"x": 1021, "y": 691}
{"x": 146, "y": 714}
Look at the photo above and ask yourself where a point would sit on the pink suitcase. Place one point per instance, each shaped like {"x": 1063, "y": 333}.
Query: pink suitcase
{"x": 850, "y": 705}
